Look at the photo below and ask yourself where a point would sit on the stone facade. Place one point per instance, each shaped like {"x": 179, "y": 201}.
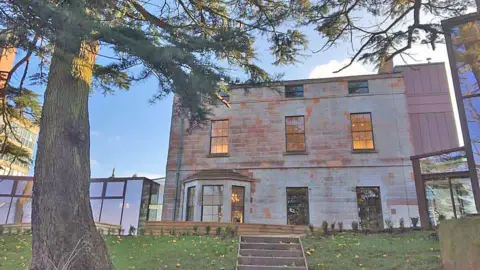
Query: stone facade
{"x": 328, "y": 168}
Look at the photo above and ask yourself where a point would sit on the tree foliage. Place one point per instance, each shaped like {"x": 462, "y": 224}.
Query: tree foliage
{"x": 384, "y": 28}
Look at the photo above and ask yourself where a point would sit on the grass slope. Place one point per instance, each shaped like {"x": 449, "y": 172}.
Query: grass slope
{"x": 142, "y": 252}
{"x": 412, "y": 250}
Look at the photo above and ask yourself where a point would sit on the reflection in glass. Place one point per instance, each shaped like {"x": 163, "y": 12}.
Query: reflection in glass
{"x": 155, "y": 206}
{"x": 448, "y": 162}
{"x": 212, "y": 203}
{"x": 114, "y": 189}
{"x": 111, "y": 211}
{"x": 96, "y": 189}
{"x": 4, "y": 206}
{"x": 24, "y": 188}
{"x": 463, "y": 196}
{"x": 297, "y": 206}
{"x": 96, "y": 205}
{"x": 131, "y": 211}
{"x": 20, "y": 210}
{"x": 238, "y": 203}
{"x": 465, "y": 39}
{"x": 6, "y": 187}
{"x": 439, "y": 200}
{"x": 369, "y": 204}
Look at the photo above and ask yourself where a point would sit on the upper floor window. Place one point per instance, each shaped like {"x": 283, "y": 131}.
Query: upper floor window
{"x": 362, "y": 131}
{"x": 293, "y": 91}
{"x": 360, "y": 87}
{"x": 219, "y": 137}
{"x": 295, "y": 133}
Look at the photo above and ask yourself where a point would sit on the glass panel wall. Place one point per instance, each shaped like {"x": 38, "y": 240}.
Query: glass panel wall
{"x": 113, "y": 201}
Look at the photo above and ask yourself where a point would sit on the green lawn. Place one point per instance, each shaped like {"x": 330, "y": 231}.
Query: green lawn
{"x": 142, "y": 252}
{"x": 413, "y": 250}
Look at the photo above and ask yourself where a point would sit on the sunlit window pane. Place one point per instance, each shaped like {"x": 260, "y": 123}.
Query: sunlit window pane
{"x": 219, "y": 137}
{"x": 362, "y": 131}
{"x": 295, "y": 133}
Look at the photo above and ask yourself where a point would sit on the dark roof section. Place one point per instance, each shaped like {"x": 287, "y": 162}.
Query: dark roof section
{"x": 218, "y": 174}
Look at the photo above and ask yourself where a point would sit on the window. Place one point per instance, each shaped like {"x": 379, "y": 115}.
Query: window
{"x": 370, "y": 207}
{"x": 238, "y": 204}
{"x": 358, "y": 87}
{"x": 212, "y": 202}
{"x": 297, "y": 206}
{"x": 114, "y": 189}
{"x": 96, "y": 189}
{"x": 362, "y": 131}
{"x": 292, "y": 91}
{"x": 190, "y": 203}
{"x": 295, "y": 133}
{"x": 219, "y": 137}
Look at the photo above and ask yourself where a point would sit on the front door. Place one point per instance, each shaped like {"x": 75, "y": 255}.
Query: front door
{"x": 370, "y": 207}
{"x": 297, "y": 206}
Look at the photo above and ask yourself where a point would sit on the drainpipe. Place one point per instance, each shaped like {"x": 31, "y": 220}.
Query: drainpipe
{"x": 177, "y": 172}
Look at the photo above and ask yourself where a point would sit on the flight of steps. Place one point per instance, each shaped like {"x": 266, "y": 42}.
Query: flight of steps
{"x": 271, "y": 253}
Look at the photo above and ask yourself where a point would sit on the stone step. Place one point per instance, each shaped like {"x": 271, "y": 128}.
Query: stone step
{"x": 271, "y": 253}
{"x": 270, "y": 246}
{"x": 286, "y": 240}
{"x": 264, "y": 267}
{"x": 269, "y": 261}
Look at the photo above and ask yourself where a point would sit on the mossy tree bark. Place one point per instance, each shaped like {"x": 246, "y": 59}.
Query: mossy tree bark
{"x": 63, "y": 227}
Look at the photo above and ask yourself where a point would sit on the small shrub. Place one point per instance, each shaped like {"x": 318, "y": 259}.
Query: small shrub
{"x": 141, "y": 231}
{"x": 195, "y": 230}
{"x": 27, "y": 232}
{"x": 173, "y": 232}
{"x": 414, "y": 222}
{"x": 131, "y": 230}
{"x": 1, "y": 229}
{"x": 365, "y": 226}
{"x": 389, "y": 224}
{"x": 9, "y": 230}
{"x": 229, "y": 232}
{"x": 340, "y": 226}
{"x": 100, "y": 231}
{"x": 332, "y": 227}
{"x": 311, "y": 228}
{"x": 119, "y": 231}
{"x": 325, "y": 227}
{"x": 235, "y": 230}
{"x": 161, "y": 230}
{"x": 218, "y": 231}
{"x": 402, "y": 225}
{"x": 207, "y": 230}
{"x": 355, "y": 226}
{"x": 441, "y": 218}
{"x": 111, "y": 231}
{"x": 150, "y": 232}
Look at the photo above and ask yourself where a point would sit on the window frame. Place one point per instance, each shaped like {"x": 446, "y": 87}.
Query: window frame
{"x": 359, "y": 81}
{"x": 188, "y": 206}
{"x": 243, "y": 204}
{"x": 304, "y": 135}
{"x": 371, "y": 131}
{"x": 307, "y": 196}
{"x": 212, "y": 137}
{"x": 203, "y": 192}
{"x": 380, "y": 207}
{"x": 288, "y": 92}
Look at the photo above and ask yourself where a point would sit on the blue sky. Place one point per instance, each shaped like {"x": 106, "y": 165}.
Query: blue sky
{"x": 131, "y": 135}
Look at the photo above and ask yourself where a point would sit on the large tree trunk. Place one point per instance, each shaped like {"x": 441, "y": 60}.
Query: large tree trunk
{"x": 62, "y": 220}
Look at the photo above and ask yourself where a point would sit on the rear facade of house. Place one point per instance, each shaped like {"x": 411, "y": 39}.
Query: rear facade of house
{"x": 307, "y": 151}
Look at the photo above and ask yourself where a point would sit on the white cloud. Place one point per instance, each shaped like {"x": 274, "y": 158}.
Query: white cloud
{"x": 327, "y": 70}
{"x": 94, "y": 163}
{"x": 149, "y": 175}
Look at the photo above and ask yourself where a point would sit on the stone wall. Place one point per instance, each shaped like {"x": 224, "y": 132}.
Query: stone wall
{"x": 329, "y": 168}
{"x": 460, "y": 243}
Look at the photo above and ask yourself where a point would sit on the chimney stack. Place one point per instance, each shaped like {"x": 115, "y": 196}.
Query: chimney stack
{"x": 386, "y": 66}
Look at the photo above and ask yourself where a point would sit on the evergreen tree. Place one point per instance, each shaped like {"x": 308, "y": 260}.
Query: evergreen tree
{"x": 187, "y": 45}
